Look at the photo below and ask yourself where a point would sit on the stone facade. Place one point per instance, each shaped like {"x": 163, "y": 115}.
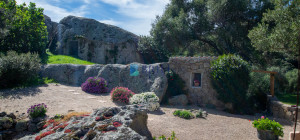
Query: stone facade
{"x": 189, "y": 67}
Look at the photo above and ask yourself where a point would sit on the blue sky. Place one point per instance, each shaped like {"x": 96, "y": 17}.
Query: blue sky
{"x": 135, "y": 16}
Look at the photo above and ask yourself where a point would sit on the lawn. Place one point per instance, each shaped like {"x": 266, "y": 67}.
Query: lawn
{"x": 290, "y": 99}
{"x": 64, "y": 59}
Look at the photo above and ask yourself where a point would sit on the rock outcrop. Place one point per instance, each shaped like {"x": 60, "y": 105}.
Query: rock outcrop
{"x": 126, "y": 122}
{"x": 91, "y": 40}
{"x": 151, "y": 78}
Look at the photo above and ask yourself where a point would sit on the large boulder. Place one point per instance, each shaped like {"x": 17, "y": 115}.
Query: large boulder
{"x": 127, "y": 122}
{"x": 151, "y": 78}
{"x": 91, "y": 40}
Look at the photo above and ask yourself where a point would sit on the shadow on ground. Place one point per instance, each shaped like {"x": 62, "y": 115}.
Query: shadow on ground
{"x": 19, "y": 93}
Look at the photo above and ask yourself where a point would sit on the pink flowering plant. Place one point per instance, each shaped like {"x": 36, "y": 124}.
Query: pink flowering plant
{"x": 38, "y": 110}
{"x": 121, "y": 94}
{"x": 95, "y": 85}
{"x": 266, "y": 124}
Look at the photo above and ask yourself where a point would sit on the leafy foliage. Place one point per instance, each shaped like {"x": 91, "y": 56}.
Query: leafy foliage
{"x": 259, "y": 86}
{"x": 266, "y": 124}
{"x": 95, "y": 85}
{"x": 183, "y": 114}
{"x": 26, "y": 30}
{"x": 18, "y": 69}
{"x": 176, "y": 86}
{"x": 173, "y": 137}
{"x": 121, "y": 94}
{"x": 150, "y": 52}
{"x": 208, "y": 27}
{"x": 230, "y": 78}
{"x": 279, "y": 28}
{"x": 38, "y": 110}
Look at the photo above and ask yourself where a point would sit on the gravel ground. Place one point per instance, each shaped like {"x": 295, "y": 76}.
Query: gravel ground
{"x": 61, "y": 99}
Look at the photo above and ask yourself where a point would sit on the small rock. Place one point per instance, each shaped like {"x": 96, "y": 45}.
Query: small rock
{"x": 21, "y": 125}
{"x": 6, "y": 122}
{"x": 12, "y": 115}
{"x": 179, "y": 100}
{"x": 2, "y": 114}
{"x": 32, "y": 127}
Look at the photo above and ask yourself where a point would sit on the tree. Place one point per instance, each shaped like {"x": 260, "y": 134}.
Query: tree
{"x": 279, "y": 29}
{"x": 27, "y": 31}
{"x": 211, "y": 26}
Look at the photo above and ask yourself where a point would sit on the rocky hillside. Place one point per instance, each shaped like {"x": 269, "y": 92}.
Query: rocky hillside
{"x": 91, "y": 40}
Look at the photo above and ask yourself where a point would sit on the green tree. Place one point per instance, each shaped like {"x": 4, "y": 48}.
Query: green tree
{"x": 27, "y": 31}
{"x": 210, "y": 26}
{"x": 279, "y": 30}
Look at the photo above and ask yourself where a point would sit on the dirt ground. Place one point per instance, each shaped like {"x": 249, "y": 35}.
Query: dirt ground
{"x": 62, "y": 99}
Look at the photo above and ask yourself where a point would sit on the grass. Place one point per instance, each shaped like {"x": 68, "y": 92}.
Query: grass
{"x": 64, "y": 59}
{"x": 290, "y": 99}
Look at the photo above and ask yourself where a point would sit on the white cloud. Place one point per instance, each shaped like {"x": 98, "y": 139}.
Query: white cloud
{"x": 139, "y": 14}
{"x": 111, "y": 22}
{"x": 143, "y": 12}
{"x": 56, "y": 13}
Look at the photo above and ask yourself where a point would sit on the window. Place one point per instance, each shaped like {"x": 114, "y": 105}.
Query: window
{"x": 196, "y": 80}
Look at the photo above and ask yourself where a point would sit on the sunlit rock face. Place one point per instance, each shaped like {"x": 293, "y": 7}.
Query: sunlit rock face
{"x": 126, "y": 122}
{"x": 91, "y": 40}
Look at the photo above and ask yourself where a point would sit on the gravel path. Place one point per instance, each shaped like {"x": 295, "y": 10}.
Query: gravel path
{"x": 61, "y": 99}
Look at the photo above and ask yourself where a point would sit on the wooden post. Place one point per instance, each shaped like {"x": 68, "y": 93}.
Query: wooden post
{"x": 272, "y": 79}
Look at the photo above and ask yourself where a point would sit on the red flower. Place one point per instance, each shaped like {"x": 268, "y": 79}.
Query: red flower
{"x": 68, "y": 131}
{"x": 117, "y": 124}
{"x": 46, "y": 133}
{"x": 51, "y": 121}
{"x": 75, "y": 122}
{"x": 45, "y": 126}
{"x": 37, "y": 137}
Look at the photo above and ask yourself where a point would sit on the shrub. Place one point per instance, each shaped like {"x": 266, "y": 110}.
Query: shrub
{"x": 183, "y": 114}
{"x": 38, "y": 110}
{"x": 258, "y": 88}
{"x": 176, "y": 86}
{"x": 18, "y": 69}
{"x": 266, "y": 124}
{"x": 173, "y": 137}
{"x": 230, "y": 78}
{"x": 201, "y": 114}
{"x": 148, "y": 99}
{"x": 95, "y": 85}
{"x": 291, "y": 77}
{"x": 121, "y": 94}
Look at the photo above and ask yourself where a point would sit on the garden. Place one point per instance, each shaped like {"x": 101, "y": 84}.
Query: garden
{"x": 191, "y": 97}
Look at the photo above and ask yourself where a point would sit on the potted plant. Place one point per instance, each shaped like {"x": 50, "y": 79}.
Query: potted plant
{"x": 196, "y": 83}
{"x": 267, "y": 129}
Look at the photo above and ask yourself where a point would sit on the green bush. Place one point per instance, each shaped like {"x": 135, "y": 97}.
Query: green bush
{"x": 266, "y": 124}
{"x": 18, "y": 69}
{"x": 183, "y": 114}
{"x": 230, "y": 78}
{"x": 173, "y": 137}
{"x": 291, "y": 77}
{"x": 258, "y": 88}
{"x": 26, "y": 31}
{"x": 176, "y": 86}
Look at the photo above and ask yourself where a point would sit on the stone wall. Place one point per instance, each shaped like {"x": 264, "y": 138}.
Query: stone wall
{"x": 151, "y": 77}
{"x": 186, "y": 68}
{"x": 281, "y": 110}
